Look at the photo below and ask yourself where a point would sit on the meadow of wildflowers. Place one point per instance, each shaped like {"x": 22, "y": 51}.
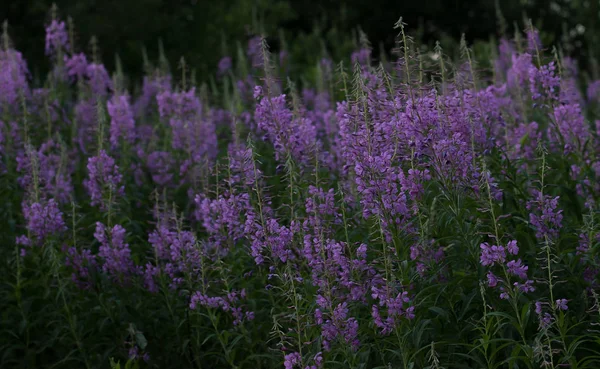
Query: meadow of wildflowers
{"x": 418, "y": 212}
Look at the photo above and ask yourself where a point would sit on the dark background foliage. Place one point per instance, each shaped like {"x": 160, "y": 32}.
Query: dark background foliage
{"x": 204, "y": 30}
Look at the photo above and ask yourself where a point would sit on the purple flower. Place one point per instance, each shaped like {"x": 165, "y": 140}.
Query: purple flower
{"x": 292, "y": 360}
{"x": 13, "y": 77}
{"x": 561, "y": 304}
{"x": 114, "y": 252}
{"x": 254, "y": 51}
{"x": 534, "y": 43}
{"x": 491, "y": 255}
{"x": 545, "y": 216}
{"x": 160, "y": 164}
{"x": 516, "y": 267}
{"x": 492, "y": 279}
{"x": 122, "y": 124}
{"x": 76, "y": 65}
{"x": 43, "y": 220}
{"x": 361, "y": 56}
{"x": 98, "y": 79}
{"x": 83, "y": 263}
{"x": 224, "y": 65}
{"x": 104, "y": 179}
{"x": 512, "y": 247}
{"x": 56, "y": 37}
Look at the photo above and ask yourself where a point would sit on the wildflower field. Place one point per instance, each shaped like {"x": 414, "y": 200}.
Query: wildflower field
{"x": 422, "y": 211}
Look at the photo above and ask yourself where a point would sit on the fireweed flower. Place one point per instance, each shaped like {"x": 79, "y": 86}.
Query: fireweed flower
{"x": 561, "y": 304}
{"x": 115, "y": 253}
{"x": 192, "y": 132}
{"x": 517, "y": 76}
{"x": 76, "y": 66}
{"x": 292, "y": 360}
{"x": 122, "y": 124}
{"x": 13, "y": 77}
{"x": 291, "y": 135}
{"x": 545, "y": 216}
{"x": 56, "y": 37}
{"x": 224, "y": 66}
{"x": 571, "y": 125}
{"x": 534, "y": 43}
{"x": 241, "y": 166}
{"x": 160, "y": 164}
{"x": 506, "y": 50}
{"x": 98, "y": 79}
{"x": 273, "y": 237}
{"x": 153, "y": 85}
{"x": 229, "y": 303}
{"x": 104, "y": 179}
{"x": 254, "y": 51}
{"x": 53, "y": 172}
{"x": 43, "y": 220}
{"x": 593, "y": 91}
{"x": 221, "y": 218}
{"x": 493, "y": 256}
{"x": 83, "y": 263}
{"x": 544, "y": 81}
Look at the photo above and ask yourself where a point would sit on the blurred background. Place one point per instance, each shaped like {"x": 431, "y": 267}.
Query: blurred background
{"x": 205, "y": 30}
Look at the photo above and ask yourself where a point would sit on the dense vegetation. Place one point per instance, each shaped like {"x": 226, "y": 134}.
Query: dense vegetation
{"x": 418, "y": 212}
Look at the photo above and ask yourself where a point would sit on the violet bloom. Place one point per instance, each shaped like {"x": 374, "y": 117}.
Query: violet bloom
{"x": 517, "y": 268}
{"x": 221, "y": 217}
{"x": 56, "y": 37}
{"x": 160, "y": 165}
{"x": 241, "y": 166}
{"x": 228, "y": 303}
{"x": 491, "y": 255}
{"x": 104, "y": 179}
{"x": 83, "y": 264}
{"x": 518, "y": 74}
{"x": 561, "y": 304}
{"x": 13, "y": 77}
{"x": 274, "y": 237}
{"x": 593, "y": 91}
{"x": 122, "y": 124}
{"x": 76, "y": 66}
{"x": 534, "y": 43}
{"x": 571, "y": 125}
{"x": 43, "y": 220}
{"x": 545, "y": 216}
{"x": 492, "y": 280}
{"x": 505, "y": 52}
{"x": 254, "y": 51}
{"x": 98, "y": 79}
{"x": 544, "y": 81}
{"x": 289, "y": 135}
{"x": 361, "y": 56}
{"x": 153, "y": 85}
{"x": 114, "y": 252}
{"x": 52, "y": 171}
{"x": 512, "y": 247}
{"x": 292, "y": 360}
{"x": 224, "y": 66}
